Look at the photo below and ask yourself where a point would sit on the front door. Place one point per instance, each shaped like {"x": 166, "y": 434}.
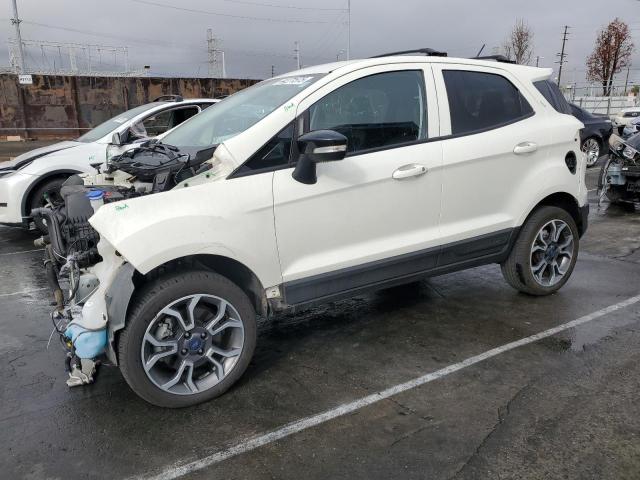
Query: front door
{"x": 372, "y": 216}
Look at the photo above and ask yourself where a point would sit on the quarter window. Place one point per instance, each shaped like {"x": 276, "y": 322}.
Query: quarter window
{"x": 275, "y": 153}
{"x": 481, "y": 101}
{"x": 377, "y": 111}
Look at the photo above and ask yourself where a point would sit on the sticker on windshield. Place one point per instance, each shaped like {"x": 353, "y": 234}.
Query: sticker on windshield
{"x": 293, "y": 81}
{"x": 120, "y": 119}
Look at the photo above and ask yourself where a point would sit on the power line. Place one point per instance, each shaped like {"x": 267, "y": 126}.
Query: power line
{"x": 227, "y": 15}
{"x": 259, "y": 4}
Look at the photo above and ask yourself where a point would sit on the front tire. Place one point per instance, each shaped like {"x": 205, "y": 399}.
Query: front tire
{"x": 47, "y": 194}
{"x": 545, "y": 253}
{"x": 189, "y": 337}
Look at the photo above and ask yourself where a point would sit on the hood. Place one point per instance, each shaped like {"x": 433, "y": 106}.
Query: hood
{"x": 37, "y": 153}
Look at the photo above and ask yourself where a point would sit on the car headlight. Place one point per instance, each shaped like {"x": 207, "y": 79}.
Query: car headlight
{"x": 629, "y": 152}
{"x": 616, "y": 143}
{"x": 112, "y": 151}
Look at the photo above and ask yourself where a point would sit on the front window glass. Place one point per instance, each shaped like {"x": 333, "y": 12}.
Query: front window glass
{"x": 380, "y": 110}
{"x": 113, "y": 123}
{"x": 238, "y": 112}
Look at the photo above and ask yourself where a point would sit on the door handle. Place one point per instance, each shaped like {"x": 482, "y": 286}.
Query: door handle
{"x": 525, "y": 147}
{"x": 410, "y": 170}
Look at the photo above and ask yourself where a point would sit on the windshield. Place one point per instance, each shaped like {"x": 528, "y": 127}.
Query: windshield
{"x": 238, "y": 112}
{"x": 113, "y": 123}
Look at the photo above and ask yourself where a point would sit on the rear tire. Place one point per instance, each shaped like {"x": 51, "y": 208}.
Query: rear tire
{"x": 205, "y": 375}
{"x": 539, "y": 265}
{"x": 44, "y": 194}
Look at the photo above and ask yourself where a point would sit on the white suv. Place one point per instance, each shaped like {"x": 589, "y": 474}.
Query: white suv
{"x": 33, "y": 179}
{"x": 327, "y": 182}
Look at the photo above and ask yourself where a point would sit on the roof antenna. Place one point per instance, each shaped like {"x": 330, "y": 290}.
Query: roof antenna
{"x": 481, "y": 49}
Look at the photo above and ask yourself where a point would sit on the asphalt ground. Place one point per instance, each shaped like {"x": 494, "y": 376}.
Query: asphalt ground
{"x": 562, "y": 406}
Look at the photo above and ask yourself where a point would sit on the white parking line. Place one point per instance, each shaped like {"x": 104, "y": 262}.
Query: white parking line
{"x": 181, "y": 468}
{"x": 22, "y": 251}
{"x": 22, "y": 292}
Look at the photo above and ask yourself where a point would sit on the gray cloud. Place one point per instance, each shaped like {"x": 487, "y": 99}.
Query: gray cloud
{"x": 173, "y": 42}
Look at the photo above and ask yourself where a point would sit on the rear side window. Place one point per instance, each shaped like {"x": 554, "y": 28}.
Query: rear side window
{"x": 378, "y": 111}
{"x": 554, "y": 96}
{"x": 481, "y": 101}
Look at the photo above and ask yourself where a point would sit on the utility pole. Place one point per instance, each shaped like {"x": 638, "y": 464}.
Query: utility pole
{"x": 626, "y": 82}
{"x": 16, "y": 22}
{"x": 537, "y": 60}
{"x": 273, "y": 71}
{"x": 348, "y": 29}
{"x": 296, "y": 52}
{"x": 562, "y": 55}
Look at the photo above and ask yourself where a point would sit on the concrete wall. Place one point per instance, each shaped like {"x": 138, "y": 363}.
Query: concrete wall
{"x": 57, "y": 106}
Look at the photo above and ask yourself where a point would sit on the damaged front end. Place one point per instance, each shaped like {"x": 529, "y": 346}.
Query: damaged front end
{"x": 620, "y": 176}
{"x": 91, "y": 283}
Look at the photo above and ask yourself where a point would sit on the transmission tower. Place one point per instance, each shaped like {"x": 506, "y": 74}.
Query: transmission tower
{"x": 216, "y": 62}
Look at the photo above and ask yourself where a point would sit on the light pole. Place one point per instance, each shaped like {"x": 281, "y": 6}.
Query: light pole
{"x": 16, "y": 21}
{"x": 348, "y": 30}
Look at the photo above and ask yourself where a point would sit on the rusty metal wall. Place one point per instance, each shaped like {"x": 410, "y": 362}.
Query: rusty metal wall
{"x": 57, "y": 106}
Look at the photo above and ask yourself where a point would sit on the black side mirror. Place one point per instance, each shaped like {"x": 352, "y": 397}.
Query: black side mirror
{"x": 316, "y": 147}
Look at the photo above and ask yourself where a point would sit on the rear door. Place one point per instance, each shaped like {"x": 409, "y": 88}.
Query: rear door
{"x": 494, "y": 142}
{"x": 374, "y": 215}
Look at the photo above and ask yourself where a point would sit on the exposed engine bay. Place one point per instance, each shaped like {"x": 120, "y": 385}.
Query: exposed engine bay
{"x": 71, "y": 245}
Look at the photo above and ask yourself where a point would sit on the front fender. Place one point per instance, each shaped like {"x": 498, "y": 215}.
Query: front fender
{"x": 231, "y": 218}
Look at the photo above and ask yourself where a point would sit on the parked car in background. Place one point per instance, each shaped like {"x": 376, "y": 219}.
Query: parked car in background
{"x": 624, "y": 117}
{"x": 631, "y": 128}
{"x": 326, "y": 182}
{"x": 595, "y": 135}
{"x": 33, "y": 179}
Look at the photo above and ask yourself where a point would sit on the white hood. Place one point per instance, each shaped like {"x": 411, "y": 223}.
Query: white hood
{"x": 40, "y": 152}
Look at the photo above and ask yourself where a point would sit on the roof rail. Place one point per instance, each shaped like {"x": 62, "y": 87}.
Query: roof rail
{"x": 168, "y": 98}
{"x": 429, "y": 52}
{"x": 497, "y": 58}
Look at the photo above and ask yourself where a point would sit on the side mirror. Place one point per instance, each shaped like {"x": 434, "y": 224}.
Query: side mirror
{"x": 316, "y": 147}
{"x": 120, "y": 138}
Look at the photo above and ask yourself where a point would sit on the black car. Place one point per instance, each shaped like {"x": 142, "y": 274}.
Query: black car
{"x": 595, "y": 135}
{"x": 597, "y": 128}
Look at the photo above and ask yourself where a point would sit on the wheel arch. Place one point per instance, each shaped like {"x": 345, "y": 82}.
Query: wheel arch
{"x": 228, "y": 267}
{"x": 28, "y": 195}
{"x": 567, "y": 202}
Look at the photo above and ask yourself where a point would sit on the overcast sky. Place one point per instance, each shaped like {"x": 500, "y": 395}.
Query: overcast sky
{"x": 257, "y": 34}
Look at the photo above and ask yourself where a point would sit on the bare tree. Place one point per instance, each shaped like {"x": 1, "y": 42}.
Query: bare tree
{"x": 519, "y": 44}
{"x": 612, "y": 53}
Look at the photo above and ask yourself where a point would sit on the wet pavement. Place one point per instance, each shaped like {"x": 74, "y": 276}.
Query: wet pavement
{"x": 562, "y": 407}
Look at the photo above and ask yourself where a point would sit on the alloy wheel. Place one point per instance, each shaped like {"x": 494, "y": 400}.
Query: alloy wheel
{"x": 591, "y": 148}
{"x": 552, "y": 251}
{"x": 192, "y": 344}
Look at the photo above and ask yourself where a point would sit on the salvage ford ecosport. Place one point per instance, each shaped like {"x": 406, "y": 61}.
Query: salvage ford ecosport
{"x": 323, "y": 183}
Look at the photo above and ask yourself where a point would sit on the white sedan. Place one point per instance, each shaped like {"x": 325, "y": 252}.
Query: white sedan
{"x": 625, "y": 117}
{"x": 33, "y": 179}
